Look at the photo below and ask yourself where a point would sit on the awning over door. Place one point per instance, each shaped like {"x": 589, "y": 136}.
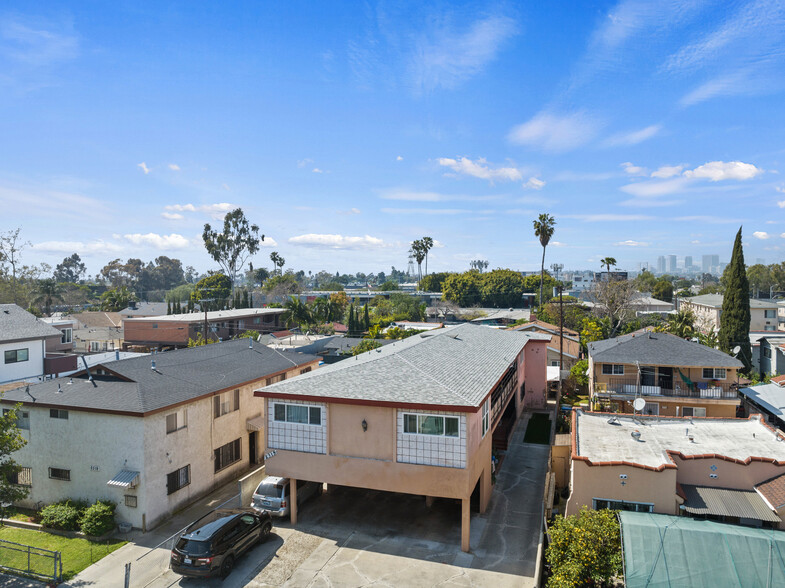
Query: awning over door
{"x": 124, "y": 479}
{"x": 255, "y": 424}
{"x": 703, "y": 500}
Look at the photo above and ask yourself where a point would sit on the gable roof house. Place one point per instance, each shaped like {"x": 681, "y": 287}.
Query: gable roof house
{"x": 418, "y": 416}
{"x": 23, "y": 343}
{"x": 674, "y": 376}
{"x": 570, "y": 345}
{"x": 152, "y": 433}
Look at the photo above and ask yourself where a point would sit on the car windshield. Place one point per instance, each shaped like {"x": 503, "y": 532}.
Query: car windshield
{"x": 193, "y": 548}
{"x": 270, "y": 489}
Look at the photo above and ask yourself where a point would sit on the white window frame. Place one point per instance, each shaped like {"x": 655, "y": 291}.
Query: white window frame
{"x": 176, "y": 421}
{"x": 311, "y": 409}
{"x": 769, "y": 314}
{"x": 67, "y": 335}
{"x": 694, "y": 409}
{"x": 421, "y": 417}
{"x": 95, "y": 346}
{"x": 715, "y": 373}
{"x": 612, "y": 371}
{"x": 58, "y": 413}
{"x": 486, "y": 417}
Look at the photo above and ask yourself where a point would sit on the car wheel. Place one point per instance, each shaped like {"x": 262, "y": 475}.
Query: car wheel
{"x": 265, "y": 534}
{"x": 227, "y": 565}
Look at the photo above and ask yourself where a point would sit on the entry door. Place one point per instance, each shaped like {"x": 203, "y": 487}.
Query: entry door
{"x": 648, "y": 377}
{"x": 666, "y": 378}
{"x": 252, "y": 447}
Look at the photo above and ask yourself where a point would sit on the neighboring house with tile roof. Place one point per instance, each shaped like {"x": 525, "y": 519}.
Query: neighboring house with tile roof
{"x": 151, "y": 433}
{"x": 570, "y": 346}
{"x": 675, "y": 377}
{"x": 23, "y": 342}
{"x": 418, "y": 416}
{"x": 726, "y": 469}
{"x": 708, "y": 312}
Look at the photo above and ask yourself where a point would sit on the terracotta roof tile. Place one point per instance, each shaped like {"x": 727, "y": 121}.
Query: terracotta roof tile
{"x": 773, "y": 490}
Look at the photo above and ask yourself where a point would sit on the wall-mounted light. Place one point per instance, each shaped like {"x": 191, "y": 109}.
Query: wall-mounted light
{"x": 365, "y": 425}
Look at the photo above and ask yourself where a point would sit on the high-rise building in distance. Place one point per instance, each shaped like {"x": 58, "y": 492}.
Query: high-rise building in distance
{"x": 711, "y": 263}
{"x": 672, "y": 264}
{"x": 688, "y": 262}
{"x": 661, "y": 264}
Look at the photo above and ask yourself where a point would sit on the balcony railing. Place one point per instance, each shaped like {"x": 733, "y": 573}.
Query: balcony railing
{"x": 675, "y": 389}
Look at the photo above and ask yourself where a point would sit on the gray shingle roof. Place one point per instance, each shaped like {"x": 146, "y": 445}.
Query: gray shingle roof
{"x": 456, "y": 366}
{"x": 345, "y": 343}
{"x": 715, "y": 301}
{"x": 179, "y": 376}
{"x": 659, "y": 349}
{"x": 16, "y": 324}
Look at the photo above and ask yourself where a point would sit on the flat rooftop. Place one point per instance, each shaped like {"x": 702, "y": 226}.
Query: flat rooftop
{"x": 214, "y": 315}
{"x": 599, "y": 441}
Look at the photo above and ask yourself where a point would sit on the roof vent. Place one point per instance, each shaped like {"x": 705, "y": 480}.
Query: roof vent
{"x": 152, "y": 364}
{"x": 636, "y": 434}
{"x": 59, "y": 389}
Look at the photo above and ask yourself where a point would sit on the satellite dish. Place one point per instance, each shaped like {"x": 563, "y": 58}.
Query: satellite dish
{"x": 639, "y": 404}
{"x": 736, "y": 349}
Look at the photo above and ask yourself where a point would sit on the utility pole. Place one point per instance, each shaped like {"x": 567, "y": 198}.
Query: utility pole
{"x": 203, "y": 300}
{"x": 561, "y": 345}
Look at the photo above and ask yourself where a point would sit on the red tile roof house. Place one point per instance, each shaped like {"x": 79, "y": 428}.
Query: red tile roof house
{"x": 418, "y": 416}
{"x": 719, "y": 468}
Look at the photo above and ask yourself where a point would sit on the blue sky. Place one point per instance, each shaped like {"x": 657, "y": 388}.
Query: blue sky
{"x": 347, "y": 130}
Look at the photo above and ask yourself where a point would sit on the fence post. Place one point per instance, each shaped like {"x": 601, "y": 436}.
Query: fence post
{"x": 28, "y": 559}
{"x": 127, "y": 575}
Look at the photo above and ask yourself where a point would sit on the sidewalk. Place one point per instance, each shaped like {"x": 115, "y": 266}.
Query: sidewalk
{"x": 110, "y": 571}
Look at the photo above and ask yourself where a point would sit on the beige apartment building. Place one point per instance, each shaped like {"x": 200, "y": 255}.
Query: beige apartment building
{"x": 419, "y": 416}
{"x": 708, "y": 312}
{"x": 731, "y": 470}
{"x": 675, "y": 377}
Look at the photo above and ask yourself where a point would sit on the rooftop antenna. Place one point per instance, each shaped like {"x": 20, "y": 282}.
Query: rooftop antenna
{"x": 27, "y": 391}
{"x": 89, "y": 375}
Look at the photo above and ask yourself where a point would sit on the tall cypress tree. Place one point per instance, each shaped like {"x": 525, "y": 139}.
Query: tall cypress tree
{"x": 351, "y": 320}
{"x": 367, "y": 319}
{"x": 168, "y": 307}
{"x": 735, "y": 319}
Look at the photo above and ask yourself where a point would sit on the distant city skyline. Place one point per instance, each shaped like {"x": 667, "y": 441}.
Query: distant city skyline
{"x": 646, "y": 129}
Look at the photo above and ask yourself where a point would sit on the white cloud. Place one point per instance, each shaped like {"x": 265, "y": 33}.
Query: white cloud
{"x": 631, "y": 243}
{"x": 716, "y": 171}
{"x": 534, "y": 183}
{"x": 714, "y": 220}
{"x": 143, "y": 167}
{"x": 173, "y": 241}
{"x": 216, "y": 211}
{"x": 655, "y": 188}
{"x": 724, "y": 85}
{"x": 633, "y": 170}
{"x": 399, "y": 158}
{"x": 316, "y": 170}
{"x": 667, "y": 171}
{"x": 633, "y": 137}
{"x": 551, "y": 132}
{"x": 443, "y": 57}
{"x": 37, "y": 47}
{"x": 650, "y": 202}
{"x": 780, "y": 189}
{"x": 304, "y": 162}
{"x": 407, "y": 195}
{"x": 761, "y": 235}
{"x": 781, "y": 203}
{"x": 349, "y": 212}
{"x": 99, "y": 247}
{"x": 268, "y": 242}
{"x": 174, "y": 167}
{"x": 337, "y": 241}
{"x": 172, "y": 215}
{"x": 480, "y": 169}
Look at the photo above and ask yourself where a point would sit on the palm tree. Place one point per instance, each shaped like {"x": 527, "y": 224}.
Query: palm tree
{"x": 543, "y": 229}
{"x": 278, "y": 261}
{"x": 608, "y": 262}
{"x": 296, "y": 312}
{"x": 48, "y": 291}
{"x": 427, "y": 245}
{"x": 321, "y": 310}
{"x": 419, "y": 252}
{"x": 682, "y": 324}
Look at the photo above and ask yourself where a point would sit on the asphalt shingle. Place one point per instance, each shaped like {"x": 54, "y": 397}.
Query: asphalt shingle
{"x": 16, "y": 324}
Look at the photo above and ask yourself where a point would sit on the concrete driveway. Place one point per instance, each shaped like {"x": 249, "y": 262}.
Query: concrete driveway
{"x": 352, "y": 537}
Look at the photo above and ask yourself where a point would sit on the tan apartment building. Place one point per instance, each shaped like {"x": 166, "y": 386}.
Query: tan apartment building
{"x": 731, "y": 470}
{"x": 708, "y": 312}
{"x": 570, "y": 345}
{"x": 674, "y": 376}
{"x": 418, "y": 416}
{"x": 152, "y": 433}
{"x": 175, "y": 330}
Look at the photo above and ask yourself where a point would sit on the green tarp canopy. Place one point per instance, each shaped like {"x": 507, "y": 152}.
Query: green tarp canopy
{"x": 678, "y": 552}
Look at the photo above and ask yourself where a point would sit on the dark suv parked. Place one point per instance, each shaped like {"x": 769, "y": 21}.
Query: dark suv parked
{"x": 211, "y": 545}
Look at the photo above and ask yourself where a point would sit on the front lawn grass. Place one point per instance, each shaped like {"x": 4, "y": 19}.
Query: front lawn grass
{"x": 538, "y": 430}
{"x": 77, "y": 553}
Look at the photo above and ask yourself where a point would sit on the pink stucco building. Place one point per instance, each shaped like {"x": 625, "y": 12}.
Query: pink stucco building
{"x": 419, "y": 416}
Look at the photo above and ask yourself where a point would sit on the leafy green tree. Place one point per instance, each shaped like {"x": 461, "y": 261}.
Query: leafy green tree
{"x": 47, "y": 292}
{"x": 70, "y": 270}
{"x": 532, "y": 284}
{"x": 11, "y": 247}
{"x": 282, "y": 285}
{"x": 433, "y": 282}
{"x": 297, "y": 313}
{"x": 502, "y": 288}
{"x": 594, "y": 329}
{"x": 463, "y": 289}
{"x": 544, "y": 228}
{"x": 199, "y": 341}
{"x": 645, "y": 281}
{"x": 580, "y": 372}
{"x": 260, "y": 275}
{"x": 388, "y": 286}
{"x": 232, "y": 246}
{"x": 366, "y": 318}
{"x": 735, "y": 322}
{"x": 663, "y": 290}
{"x": 11, "y": 440}
{"x": 116, "y": 299}
{"x": 585, "y": 549}
{"x": 682, "y": 324}
{"x": 365, "y": 345}
{"x": 212, "y": 292}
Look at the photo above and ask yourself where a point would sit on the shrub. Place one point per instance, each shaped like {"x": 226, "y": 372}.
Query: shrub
{"x": 61, "y": 515}
{"x": 98, "y": 519}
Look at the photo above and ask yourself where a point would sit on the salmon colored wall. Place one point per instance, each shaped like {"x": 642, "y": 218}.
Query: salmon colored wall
{"x": 641, "y": 485}
{"x": 717, "y": 410}
{"x": 534, "y": 374}
{"x": 346, "y": 436}
{"x": 560, "y": 464}
{"x": 729, "y": 475}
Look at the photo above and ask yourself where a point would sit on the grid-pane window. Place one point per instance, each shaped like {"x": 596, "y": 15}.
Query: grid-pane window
{"x": 178, "y": 479}
{"x": 227, "y": 454}
{"x": 426, "y": 424}
{"x": 60, "y": 474}
{"x": 769, "y": 314}
{"x": 609, "y": 369}
{"x": 16, "y": 355}
{"x": 714, "y": 373}
{"x": 58, "y": 413}
{"x": 297, "y": 413}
